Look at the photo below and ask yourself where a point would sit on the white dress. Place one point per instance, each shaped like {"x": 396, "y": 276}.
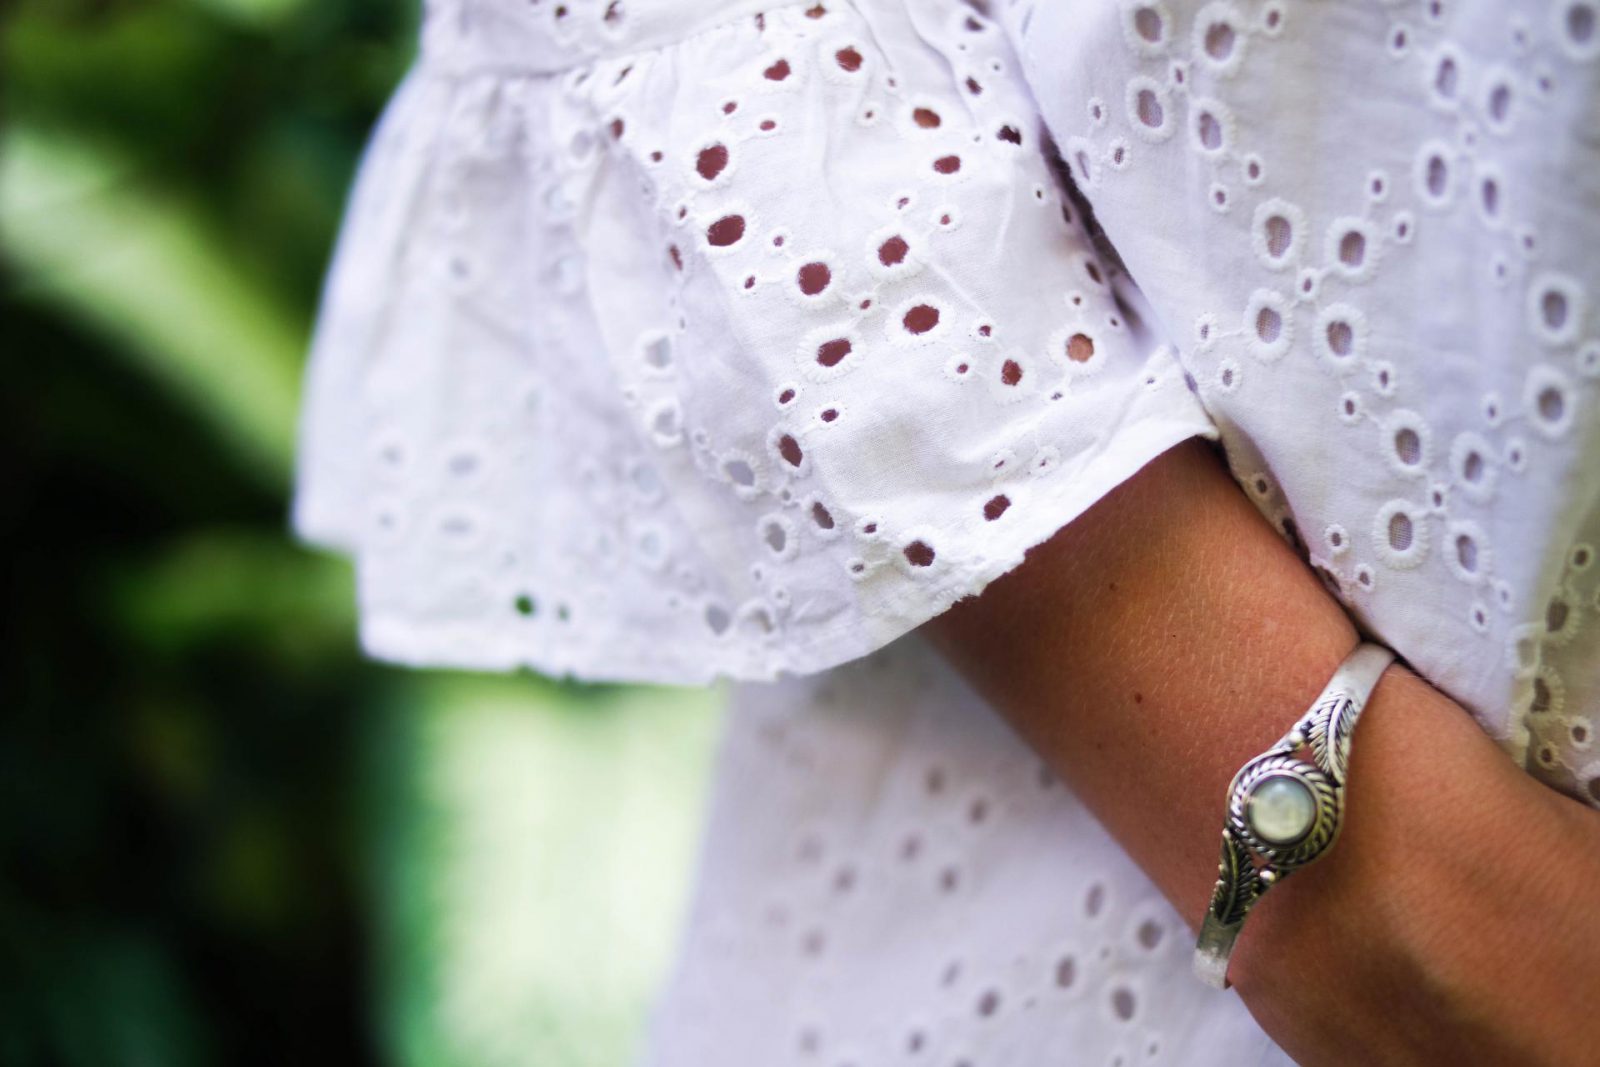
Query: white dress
{"x": 679, "y": 339}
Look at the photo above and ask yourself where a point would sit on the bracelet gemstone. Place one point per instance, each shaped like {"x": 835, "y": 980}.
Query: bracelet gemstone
{"x": 1280, "y": 809}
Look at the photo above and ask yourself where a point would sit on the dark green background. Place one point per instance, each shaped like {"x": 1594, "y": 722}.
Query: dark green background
{"x": 225, "y": 837}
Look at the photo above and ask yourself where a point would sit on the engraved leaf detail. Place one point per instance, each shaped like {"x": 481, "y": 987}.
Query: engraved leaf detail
{"x": 1236, "y": 884}
{"x": 1318, "y": 732}
{"x": 1332, "y": 724}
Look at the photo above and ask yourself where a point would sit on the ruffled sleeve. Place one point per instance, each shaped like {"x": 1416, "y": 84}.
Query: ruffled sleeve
{"x": 737, "y": 355}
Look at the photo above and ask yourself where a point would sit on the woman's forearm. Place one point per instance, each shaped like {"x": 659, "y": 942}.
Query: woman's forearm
{"x": 1168, "y": 635}
{"x": 1149, "y": 649}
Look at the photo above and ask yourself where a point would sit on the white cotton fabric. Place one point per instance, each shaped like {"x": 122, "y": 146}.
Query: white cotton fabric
{"x": 674, "y": 339}
{"x": 740, "y": 356}
{"x": 891, "y": 878}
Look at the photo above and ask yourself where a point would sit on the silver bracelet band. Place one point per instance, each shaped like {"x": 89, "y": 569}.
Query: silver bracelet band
{"x": 1284, "y": 809}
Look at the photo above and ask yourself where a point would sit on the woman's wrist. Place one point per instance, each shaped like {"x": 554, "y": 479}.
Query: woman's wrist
{"x": 1409, "y": 800}
{"x": 1453, "y": 873}
{"x": 1167, "y": 636}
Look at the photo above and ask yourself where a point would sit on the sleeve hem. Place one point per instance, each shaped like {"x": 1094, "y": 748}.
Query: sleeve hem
{"x": 624, "y": 657}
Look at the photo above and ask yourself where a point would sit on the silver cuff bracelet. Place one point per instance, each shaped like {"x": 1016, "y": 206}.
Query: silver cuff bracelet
{"x": 1284, "y": 809}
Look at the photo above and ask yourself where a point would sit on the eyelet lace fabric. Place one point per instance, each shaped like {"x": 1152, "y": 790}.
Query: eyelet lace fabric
{"x": 1387, "y": 301}
{"x": 742, "y": 355}
{"x": 890, "y": 877}
{"x": 676, "y": 339}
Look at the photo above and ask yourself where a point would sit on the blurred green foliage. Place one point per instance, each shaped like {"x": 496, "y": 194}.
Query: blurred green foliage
{"x": 225, "y": 837}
